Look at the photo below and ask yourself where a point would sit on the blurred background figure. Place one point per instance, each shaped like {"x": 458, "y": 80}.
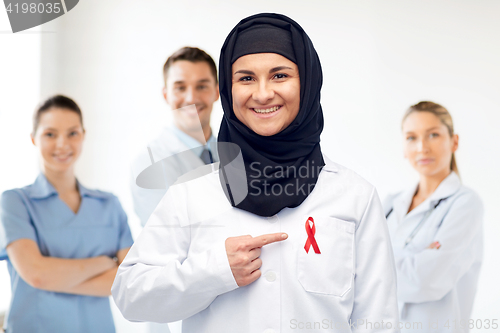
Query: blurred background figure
{"x": 64, "y": 242}
{"x": 436, "y": 227}
{"x": 190, "y": 78}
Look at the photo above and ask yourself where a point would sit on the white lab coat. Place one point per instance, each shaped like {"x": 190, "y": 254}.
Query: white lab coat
{"x": 436, "y": 287}
{"x": 178, "y": 267}
{"x": 164, "y": 145}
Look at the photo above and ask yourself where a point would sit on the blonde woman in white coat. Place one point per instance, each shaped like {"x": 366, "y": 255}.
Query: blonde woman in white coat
{"x": 435, "y": 227}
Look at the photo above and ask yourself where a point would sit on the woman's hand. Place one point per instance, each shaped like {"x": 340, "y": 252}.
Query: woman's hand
{"x": 101, "y": 285}
{"x": 243, "y": 253}
{"x": 107, "y": 262}
{"x": 434, "y": 245}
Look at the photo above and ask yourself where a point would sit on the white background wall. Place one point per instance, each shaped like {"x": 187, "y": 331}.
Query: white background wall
{"x": 19, "y": 93}
{"x": 378, "y": 58}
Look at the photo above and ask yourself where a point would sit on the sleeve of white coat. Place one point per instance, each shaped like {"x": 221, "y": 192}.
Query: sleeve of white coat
{"x": 429, "y": 275}
{"x": 159, "y": 281}
{"x": 375, "y": 295}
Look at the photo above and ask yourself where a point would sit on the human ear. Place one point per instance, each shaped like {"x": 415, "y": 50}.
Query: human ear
{"x": 32, "y": 139}
{"x": 164, "y": 93}
{"x": 217, "y": 92}
{"x": 454, "y": 143}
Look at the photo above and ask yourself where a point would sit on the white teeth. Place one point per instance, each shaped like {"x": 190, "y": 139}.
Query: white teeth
{"x": 267, "y": 110}
{"x": 61, "y": 157}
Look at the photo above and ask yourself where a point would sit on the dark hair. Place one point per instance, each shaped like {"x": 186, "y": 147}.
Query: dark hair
{"x": 57, "y": 101}
{"x": 443, "y": 115}
{"x": 192, "y": 54}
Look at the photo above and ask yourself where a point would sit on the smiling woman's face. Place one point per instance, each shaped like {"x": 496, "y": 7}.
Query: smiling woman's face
{"x": 428, "y": 144}
{"x": 266, "y": 92}
{"x": 59, "y": 138}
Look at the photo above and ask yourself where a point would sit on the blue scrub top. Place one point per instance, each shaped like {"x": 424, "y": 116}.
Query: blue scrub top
{"x": 99, "y": 228}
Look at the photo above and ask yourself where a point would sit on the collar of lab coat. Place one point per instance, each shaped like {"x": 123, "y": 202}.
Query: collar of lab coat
{"x": 330, "y": 165}
{"x": 449, "y": 186}
{"x": 218, "y": 203}
{"x": 166, "y": 143}
{"x": 194, "y": 145}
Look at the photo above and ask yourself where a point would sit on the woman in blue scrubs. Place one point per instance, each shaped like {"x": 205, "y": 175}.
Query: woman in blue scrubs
{"x": 64, "y": 242}
{"x": 435, "y": 227}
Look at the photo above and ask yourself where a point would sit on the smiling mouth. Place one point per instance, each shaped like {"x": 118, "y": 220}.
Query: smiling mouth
{"x": 191, "y": 110}
{"x": 265, "y": 111}
{"x": 63, "y": 157}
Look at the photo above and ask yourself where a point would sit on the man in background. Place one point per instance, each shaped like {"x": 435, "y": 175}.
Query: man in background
{"x": 191, "y": 89}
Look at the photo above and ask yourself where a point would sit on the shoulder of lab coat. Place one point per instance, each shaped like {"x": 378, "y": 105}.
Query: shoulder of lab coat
{"x": 430, "y": 274}
{"x": 165, "y": 144}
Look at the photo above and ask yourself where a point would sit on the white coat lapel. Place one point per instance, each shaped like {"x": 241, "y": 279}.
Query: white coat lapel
{"x": 402, "y": 203}
{"x": 449, "y": 186}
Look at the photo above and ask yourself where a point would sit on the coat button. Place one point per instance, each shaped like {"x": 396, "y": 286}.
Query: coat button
{"x": 270, "y": 276}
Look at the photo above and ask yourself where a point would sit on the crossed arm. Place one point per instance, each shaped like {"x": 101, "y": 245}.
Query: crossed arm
{"x": 87, "y": 276}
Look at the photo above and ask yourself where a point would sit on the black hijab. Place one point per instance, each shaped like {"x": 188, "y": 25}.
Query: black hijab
{"x": 280, "y": 170}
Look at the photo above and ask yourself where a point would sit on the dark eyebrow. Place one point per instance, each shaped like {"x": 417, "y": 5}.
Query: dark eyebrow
{"x": 199, "y": 81}
{"x": 272, "y": 70}
{"x": 244, "y": 71}
{"x": 277, "y": 69}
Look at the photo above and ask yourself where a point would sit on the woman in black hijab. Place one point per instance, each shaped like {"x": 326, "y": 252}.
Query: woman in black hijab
{"x": 279, "y": 238}
{"x": 293, "y": 147}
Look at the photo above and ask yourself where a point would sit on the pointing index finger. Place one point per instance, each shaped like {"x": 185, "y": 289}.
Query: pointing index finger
{"x": 262, "y": 240}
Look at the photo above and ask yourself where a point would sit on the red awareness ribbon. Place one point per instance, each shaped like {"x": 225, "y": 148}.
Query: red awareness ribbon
{"x": 310, "y": 237}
